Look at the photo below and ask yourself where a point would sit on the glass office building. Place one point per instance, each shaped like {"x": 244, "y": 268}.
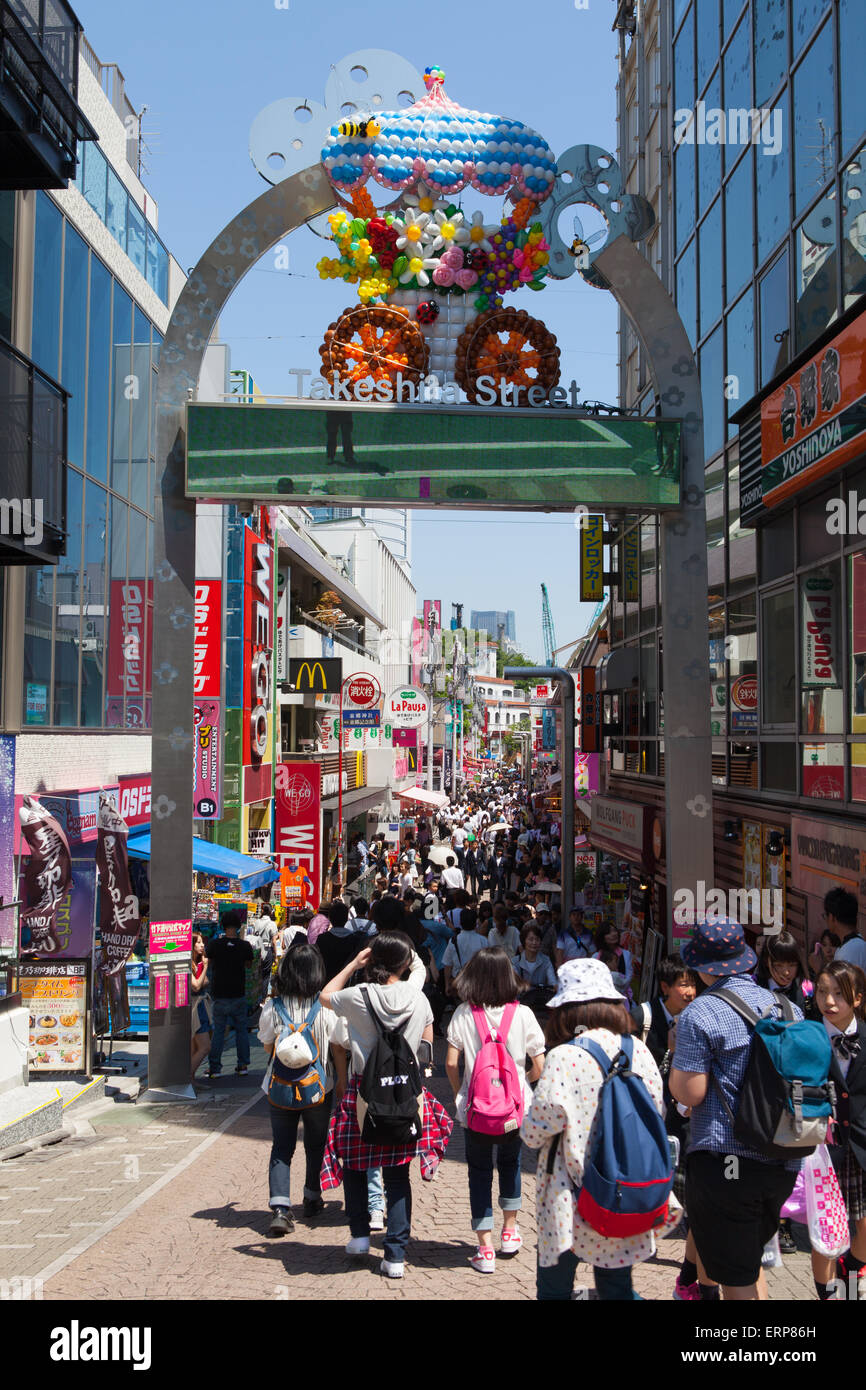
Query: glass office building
{"x": 87, "y": 624}
{"x": 745, "y": 126}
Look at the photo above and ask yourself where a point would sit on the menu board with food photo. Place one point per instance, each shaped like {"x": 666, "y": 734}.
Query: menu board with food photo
{"x": 55, "y": 994}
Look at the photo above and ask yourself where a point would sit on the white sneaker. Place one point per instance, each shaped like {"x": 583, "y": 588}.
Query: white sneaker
{"x": 392, "y": 1269}
{"x": 484, "y": 1260}
{"x": 377, "y": 1221}
{"x": 359, "y": 1245}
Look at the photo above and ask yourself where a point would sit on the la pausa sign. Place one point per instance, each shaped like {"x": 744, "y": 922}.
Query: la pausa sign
{"x": 430, "y": 391}
{"x": 406, "y": 707}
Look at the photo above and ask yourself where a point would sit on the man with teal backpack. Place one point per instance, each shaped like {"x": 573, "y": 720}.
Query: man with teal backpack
{"x": 760, "y": 1097}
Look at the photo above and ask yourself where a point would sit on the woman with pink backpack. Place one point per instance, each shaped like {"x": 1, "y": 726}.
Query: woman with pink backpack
{"x": 496, "y": 1034}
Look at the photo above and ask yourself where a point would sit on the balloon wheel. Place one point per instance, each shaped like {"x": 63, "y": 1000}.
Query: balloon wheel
{"x": 511, "y": 347}
{"x": 374, "y": 343}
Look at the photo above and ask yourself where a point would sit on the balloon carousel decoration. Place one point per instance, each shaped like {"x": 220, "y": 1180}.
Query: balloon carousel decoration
{"x": 431, "y": 279}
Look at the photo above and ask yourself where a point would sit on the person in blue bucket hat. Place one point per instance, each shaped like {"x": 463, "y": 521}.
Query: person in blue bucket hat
{"x": 733, "y": 1194}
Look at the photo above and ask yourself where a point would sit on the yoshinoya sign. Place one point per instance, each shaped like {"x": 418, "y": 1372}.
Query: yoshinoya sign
{"x": 406, "y": 707}
{"x": 816, "y": 421}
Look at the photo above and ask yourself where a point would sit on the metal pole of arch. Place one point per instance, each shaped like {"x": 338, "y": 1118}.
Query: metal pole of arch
{"x": 566, "y": 684}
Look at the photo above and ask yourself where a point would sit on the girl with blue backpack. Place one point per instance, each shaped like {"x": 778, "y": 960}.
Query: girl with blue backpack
{"x": 605, "y": 1172}
{"x": 305, "y": 1062}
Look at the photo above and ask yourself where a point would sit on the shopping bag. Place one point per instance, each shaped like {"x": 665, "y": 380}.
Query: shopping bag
{"x": 795, "y": 1207}
{"x": 828, "y": 1219}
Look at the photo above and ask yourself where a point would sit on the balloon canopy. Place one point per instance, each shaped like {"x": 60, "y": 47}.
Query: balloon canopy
{"x": 443, "y": 144}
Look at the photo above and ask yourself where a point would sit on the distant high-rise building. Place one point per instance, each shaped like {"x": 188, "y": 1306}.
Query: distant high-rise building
{"x": 491, "y": 622}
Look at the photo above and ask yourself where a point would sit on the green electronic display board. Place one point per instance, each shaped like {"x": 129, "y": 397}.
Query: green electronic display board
{"x": 431, "y": 455}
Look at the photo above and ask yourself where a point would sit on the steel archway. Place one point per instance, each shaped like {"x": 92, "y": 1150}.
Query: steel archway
{"x": 641, "y": 295}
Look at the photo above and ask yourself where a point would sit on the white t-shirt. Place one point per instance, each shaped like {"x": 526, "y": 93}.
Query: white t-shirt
{"x": 854, "y": 951}
{"x": 452, "y": 878}
{"x": 460, "y": 951}
{"x": 525, "y": 1039}
{"x": 509, "y": 940}
{"x": 458, "y": 839}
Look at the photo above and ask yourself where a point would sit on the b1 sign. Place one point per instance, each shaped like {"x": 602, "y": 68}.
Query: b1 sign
{"x": 406, "y": 707}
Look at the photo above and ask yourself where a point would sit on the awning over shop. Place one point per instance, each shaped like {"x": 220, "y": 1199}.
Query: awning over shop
{"x": 354, "y": 802}
{"x": 423, "y": 797}
{"x": 213, "y": 859}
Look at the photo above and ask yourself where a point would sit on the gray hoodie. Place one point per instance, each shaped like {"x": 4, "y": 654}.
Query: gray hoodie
{"x": 398, "y": 1006}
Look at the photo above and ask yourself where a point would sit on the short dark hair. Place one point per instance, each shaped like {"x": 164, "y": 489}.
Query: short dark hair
{"x": 232, "y": 919}
{"x": 843, "y": 906}
{"x": 596, "y": 1013}
{"x": 409, "y": 895}
{"x": 337, "y": 913}
{"x": 531, "y": 928}
{"x": 671, "y": 968}
{"x": 388, "y": 914}
{"x": 450, "y": 860}
{"x": 301, "y": 974}
{"x": 488, "y": 979}
{"x": 361, "y": 906}
{"x": 390, "y": 954}
{"x": 468, "y": 918}
{"x": 851, "y": 981}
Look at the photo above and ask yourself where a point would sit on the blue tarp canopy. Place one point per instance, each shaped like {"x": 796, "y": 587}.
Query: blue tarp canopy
{"x": 213, "y": 859}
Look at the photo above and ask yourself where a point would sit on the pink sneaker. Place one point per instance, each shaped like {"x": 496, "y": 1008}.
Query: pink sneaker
{"x": 484, "y": 1259}
{"x": 511, "y": 1242}
{"x": 687, "y": 1293}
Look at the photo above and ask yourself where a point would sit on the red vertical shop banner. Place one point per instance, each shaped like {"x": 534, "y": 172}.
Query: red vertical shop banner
{"x": 258, "y": 645}
{"x": 298, "y": 813}
{"x": 130, "y": 656}
{"x": 207, "y": 649}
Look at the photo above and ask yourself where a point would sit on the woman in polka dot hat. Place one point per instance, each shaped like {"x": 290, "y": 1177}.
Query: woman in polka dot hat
{"x": 586, "y": 1004}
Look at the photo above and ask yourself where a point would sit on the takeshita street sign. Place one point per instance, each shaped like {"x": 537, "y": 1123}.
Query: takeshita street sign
{"x": 425, "y": 456}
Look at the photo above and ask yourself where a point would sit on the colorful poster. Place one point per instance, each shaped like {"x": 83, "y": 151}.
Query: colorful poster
{"x": 207, "y": 641}
{"x": 119, "y": 917}
{"x": 55, "y": 995}
{"x": 161, "y": 988}
{"x": 820, "y": 630}
{"x": 47, "y": 877}
{"x": 129, "y": 664}
{"x": 36, "y": 704}
{"x": 207, "y": 747}
{"x": 298, "y": 816}
{"x": 752, "y": 854}
{"x": 181, "y": 988}
{"x": 586, "y": 783}
{"x": 7, "y": 817}
{"x": 171, "y": 938}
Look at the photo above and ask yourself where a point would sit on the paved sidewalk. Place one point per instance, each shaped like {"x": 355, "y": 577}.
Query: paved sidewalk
{"x": 203, "y": 1234}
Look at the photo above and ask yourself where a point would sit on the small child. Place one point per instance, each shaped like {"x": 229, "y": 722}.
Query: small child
{"x": 840, "y": 993}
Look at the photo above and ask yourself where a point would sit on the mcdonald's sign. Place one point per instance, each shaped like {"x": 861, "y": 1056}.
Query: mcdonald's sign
{"x": 316, "y": 676}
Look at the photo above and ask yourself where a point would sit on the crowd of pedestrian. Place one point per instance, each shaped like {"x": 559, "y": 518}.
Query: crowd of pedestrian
{"x": 463, "y": 936}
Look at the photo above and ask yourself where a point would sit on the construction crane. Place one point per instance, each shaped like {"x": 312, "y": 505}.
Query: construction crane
{"x": 547, "y": 627}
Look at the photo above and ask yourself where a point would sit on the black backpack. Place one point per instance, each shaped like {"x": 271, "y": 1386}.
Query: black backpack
{"x": 390, "y": 1093}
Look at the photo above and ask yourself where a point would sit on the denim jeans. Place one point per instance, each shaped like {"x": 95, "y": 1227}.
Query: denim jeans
{"x": 398, "y": 1195}
{"x": 284, "y": 1128}
{"x": 235, "y": 1011}
{"x": 479, "y": 1158}
{"x": 375, "y": 1190}
{"x": 556, "y": 1284}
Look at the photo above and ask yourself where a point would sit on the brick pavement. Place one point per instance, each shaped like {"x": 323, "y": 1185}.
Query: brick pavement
{"x": 203, "y": 1234}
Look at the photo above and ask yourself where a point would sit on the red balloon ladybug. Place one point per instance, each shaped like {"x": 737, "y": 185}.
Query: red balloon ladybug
{"x": 427, "y": 312}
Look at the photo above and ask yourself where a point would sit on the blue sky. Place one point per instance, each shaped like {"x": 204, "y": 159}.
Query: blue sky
{"x": 205, "y": 68}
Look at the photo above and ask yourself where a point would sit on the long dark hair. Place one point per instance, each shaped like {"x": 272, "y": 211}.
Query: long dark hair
{"x": 782, "y": 949}
{"x": 489, "y": 979}
{"x": 301, "y": 974}
{"x": 391, "y": 954}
